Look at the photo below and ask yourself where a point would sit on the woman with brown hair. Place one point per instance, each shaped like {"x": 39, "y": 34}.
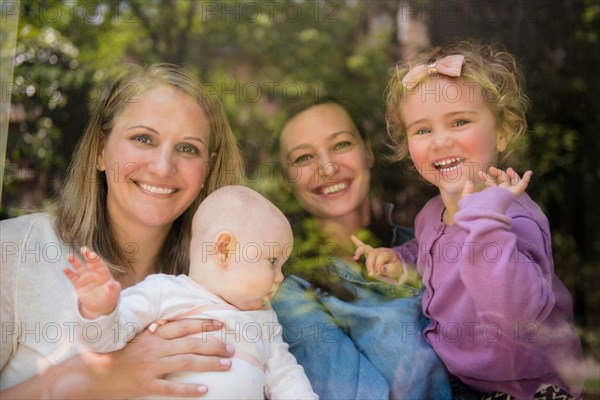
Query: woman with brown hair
{"x": 356, "y": 338}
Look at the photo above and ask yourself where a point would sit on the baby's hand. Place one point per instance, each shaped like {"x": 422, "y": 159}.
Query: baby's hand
{"x": 509, "y": 180}
{"x": 380, "y": 262}
{"x": 97, "y": 291}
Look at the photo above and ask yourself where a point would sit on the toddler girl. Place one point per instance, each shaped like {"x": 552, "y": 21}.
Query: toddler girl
{"x": 500, "y": 318}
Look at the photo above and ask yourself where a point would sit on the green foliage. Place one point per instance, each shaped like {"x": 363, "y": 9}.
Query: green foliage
{"x": 261, "y": 56}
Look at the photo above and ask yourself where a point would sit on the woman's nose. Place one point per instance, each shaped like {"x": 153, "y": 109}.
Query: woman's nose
{"x": 327, "y": 166}
{"x": 163, "y": 162}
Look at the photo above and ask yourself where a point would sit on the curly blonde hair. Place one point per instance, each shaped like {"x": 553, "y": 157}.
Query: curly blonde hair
{"x": 490, "y": 66}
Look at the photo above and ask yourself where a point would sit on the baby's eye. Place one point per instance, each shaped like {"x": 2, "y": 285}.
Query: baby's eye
{"x": 273, "y": 261}
{"x": 188, "y": 149}
{"x": 142, "y": 139}
{"x": 461, "y": 122}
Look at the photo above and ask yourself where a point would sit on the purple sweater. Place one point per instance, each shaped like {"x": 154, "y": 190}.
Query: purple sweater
{"x": 500, "y": 316}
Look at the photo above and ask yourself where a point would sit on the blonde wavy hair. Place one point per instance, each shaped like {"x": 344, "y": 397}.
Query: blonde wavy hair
{"x": 81, "y": 209}
{"x": 490, "y": 66}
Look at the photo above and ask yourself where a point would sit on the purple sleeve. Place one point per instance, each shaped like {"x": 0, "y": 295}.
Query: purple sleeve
{"x": 507, "y": 260}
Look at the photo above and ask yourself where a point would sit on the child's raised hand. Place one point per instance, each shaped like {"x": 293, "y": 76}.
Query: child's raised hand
{"x": 380, "y": 262}
{"x": 509, "y": 180}
{"x": 97, "y": 291}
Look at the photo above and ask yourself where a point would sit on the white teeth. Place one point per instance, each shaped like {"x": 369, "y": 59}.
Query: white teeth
{"x": 441, "y": 165}
{"x": 335, "y": 188}
{"x": 450, "y": 168}
{"x": 446, "y": 162}
{"x": 156, "y": 190}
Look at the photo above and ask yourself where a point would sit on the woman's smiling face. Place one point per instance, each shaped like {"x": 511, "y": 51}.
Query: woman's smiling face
{"x": 327, "y": 163}
{"x": 155, "y": 158}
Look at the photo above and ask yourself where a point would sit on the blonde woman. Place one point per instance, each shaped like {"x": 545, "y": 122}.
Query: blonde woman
{"x": 156, "y": 144}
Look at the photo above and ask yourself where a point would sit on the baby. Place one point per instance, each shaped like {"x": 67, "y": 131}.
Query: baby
{"x": 240, "y": 241}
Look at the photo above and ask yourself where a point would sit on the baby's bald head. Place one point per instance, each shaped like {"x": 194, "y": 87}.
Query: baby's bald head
{"x": 240, "y": 210}
{"x": 240, "y": 242}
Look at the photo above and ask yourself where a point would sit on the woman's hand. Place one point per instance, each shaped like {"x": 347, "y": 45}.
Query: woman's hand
{"x": 136, "y": 370}
{"x": 382, "y": 262}
{"x": 139, "y": 368}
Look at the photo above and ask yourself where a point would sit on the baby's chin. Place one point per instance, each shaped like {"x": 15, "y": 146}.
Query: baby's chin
{"x": 251, "y": 305}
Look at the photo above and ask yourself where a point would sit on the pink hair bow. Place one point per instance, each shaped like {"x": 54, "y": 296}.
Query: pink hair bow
{"x": 449, "y": 66}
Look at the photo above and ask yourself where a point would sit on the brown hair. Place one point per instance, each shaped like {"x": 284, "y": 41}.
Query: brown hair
{"x": 489, "y": 65}
{"x": 81, "y": 210}
{"x": 308, "y": 260}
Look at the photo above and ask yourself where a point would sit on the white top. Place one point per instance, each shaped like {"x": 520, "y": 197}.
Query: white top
{"x": 37, "y": 306}
{"x": 38, "y": 313}
{"x": 261, "y": 360}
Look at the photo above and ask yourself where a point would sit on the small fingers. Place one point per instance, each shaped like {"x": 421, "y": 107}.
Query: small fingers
{"x": 92, "y": 258}
{"x": 360, "y": 247}
{"x": 512, "y": 181}
{"x": 521, "y": 184}
{"x": 393, "y": 269}
{"x": 357, "y": 242}
{"x": 515, "y": 179}
{"x": 113, "y": 290}
{"x": 88, "y": 254}
{"x": 71, "y": 275}
{"x": 489, "y": 174}
{"x": 362, "y": 250}
{"x": 512, "y": 175}
{"x": 506, "y": 179}
{"x": 370, "y": 259}
{"x": 381, "y": 260}
{"x": 358, "y": 253}
{"x": 76, "y": 263}
{"x": 487, "y": 179}
{"x": 501, "y": 176}
{"x": 96, "y": 264}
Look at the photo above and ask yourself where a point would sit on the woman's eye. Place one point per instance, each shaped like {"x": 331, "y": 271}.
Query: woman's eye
{"x": 461, "y": 122}
{"x": 142, "y": 139}
{"x": 303, "y": 159}
{"x": 421, "y": 132}
{"x": 188, "y": 149}
{"x": 342, "y": 145}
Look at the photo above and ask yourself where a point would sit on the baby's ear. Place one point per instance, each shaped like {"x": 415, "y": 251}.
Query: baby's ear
{"x": 224, "y": 246}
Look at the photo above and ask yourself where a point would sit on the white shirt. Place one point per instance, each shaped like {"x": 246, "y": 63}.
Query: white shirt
{"x": 262, "y": 364}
